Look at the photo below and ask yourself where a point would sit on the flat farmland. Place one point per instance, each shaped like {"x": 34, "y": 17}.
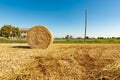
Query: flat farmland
{"x": 60, "y": 62}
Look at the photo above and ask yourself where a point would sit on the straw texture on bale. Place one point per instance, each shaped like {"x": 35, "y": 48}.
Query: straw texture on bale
{"x": 39, "y": 37}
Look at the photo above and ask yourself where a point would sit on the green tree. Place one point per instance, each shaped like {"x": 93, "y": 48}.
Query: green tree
{"x": 18, "y": 33}
{"x": 6, "y": 31}
{"x": 13, "y": 32}
{"x": 71, "y": 37}
{"x": 0, "y": 33}
{"x": 67, "y": 37}
{"x": 10, "y": 31}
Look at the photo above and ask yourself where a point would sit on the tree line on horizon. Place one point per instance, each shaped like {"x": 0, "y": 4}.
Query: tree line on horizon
{"x": 87, "y": 37}
{"x": 9, "y": 31}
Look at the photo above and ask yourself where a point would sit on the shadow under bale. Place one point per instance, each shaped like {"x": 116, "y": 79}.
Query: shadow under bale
{"x": 23, "y": 47}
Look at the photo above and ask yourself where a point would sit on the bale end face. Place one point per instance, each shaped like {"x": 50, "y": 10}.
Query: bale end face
{"x": 39, "y": 37}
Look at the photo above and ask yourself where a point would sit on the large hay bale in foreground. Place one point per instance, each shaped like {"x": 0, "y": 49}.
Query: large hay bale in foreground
{"x": 39, "y": 37}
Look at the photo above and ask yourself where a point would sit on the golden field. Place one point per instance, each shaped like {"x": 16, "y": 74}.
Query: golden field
{"x": 60, "y": 62}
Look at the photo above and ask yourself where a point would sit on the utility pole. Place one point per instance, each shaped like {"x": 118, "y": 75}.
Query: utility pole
{"x": 85, "y": 25}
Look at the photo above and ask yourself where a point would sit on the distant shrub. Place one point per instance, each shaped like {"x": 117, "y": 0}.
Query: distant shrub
{"x": 100, "y": 37}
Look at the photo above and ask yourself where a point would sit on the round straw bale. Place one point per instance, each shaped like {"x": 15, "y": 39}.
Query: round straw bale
{"x": 39, "y": 37}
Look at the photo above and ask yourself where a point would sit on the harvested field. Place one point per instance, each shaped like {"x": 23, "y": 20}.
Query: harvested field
{"x": 60, "y": 62}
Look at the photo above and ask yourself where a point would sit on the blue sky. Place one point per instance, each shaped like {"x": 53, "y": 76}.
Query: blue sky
{"x": 64, "y": 17}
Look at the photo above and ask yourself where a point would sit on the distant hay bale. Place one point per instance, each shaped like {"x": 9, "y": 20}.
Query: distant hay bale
{"x": 39, "y": 37}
